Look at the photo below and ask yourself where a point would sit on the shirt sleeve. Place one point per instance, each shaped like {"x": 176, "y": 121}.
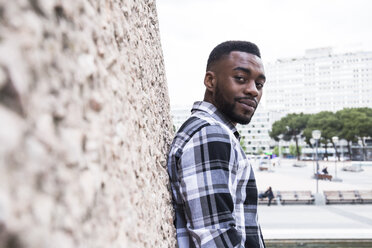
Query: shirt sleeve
{"x": 205, "y": 176}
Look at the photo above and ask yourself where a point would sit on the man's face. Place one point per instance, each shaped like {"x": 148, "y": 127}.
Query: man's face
{"x": 239, "y": 78}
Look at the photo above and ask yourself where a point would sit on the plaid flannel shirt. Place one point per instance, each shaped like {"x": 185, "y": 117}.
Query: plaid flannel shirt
{"x": 213, "y": 184}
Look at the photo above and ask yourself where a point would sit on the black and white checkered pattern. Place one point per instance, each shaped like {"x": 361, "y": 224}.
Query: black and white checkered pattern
{"x": 213, "y": 184}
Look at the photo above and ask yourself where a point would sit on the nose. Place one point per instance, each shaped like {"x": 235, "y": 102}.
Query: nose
{"x": 250, "y": 88}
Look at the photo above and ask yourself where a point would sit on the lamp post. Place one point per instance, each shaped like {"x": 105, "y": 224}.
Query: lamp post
{"x": 312, "y": 142}
{"x": 316, "y": 136}
{"x": 335, "y": 141}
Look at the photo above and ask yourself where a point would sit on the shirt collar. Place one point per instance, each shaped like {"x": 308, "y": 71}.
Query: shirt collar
{"x": 216, "y": 114}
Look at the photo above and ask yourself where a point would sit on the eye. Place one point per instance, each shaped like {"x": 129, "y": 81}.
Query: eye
{"x": 240, "y": 79}
{"x": 259, "y": 85}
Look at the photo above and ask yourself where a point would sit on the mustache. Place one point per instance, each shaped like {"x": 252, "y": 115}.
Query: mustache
{"x": 237, "y": 99}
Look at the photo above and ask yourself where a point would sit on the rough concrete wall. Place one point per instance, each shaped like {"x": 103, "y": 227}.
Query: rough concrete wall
{"x": 85, "y": 125}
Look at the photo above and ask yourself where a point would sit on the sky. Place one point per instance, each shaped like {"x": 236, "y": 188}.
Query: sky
{"x": 190, "y": 29}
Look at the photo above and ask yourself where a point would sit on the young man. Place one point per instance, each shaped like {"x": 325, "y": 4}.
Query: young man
{"x": 213, "y": 184}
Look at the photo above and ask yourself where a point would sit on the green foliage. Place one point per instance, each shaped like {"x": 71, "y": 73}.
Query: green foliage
{"x": 290, "y": 127}
{"x": 293, "y": 150}
{"x": 325, "y": 121}
{"x": 355, "y": 123}
{"x": 350, "y": 124}
{"x": 276, "y": 150}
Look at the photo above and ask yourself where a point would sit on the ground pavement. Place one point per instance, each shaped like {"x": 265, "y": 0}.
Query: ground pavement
{"x": 347, "y": 221}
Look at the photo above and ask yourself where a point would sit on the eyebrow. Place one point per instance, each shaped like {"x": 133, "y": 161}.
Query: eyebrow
{"x": 262, "y": 76}
{"x": 242, "y": 69}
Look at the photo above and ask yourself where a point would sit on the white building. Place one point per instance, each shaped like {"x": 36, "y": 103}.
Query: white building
{"x": 319, "y": 81}
{"x": 255, "y": 135}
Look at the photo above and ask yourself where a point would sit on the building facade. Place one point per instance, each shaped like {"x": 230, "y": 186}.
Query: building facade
{"x": 255, "y": 136}
{"x": 319, "y": 81}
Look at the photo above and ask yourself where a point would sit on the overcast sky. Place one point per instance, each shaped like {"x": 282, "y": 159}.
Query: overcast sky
{"x": 190, "y": 29}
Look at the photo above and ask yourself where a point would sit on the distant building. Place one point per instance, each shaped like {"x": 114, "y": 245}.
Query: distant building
{"x": 255, "y": 135}
{"x": 319, "y": 81}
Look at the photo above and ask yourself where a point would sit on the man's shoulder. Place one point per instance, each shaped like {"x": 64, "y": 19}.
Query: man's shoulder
{"x": 197, "y": 123}
{"x": 202, "y": 126}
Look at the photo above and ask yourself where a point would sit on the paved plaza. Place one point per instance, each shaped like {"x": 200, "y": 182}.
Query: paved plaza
{"x": 316, "y": 222}
{"x": 341, "y": 221}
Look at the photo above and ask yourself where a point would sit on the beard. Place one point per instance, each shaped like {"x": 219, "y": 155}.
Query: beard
{"x": 229, "y": 109}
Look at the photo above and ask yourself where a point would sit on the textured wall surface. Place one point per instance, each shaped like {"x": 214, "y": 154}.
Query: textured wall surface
{"x": 85, "y": 125}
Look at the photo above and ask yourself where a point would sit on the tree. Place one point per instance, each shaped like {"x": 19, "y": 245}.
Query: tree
{"x": 328, "y": 123}
{"x": 291, "y": 127}
{"x": 363, "y": 125}
{"x": 293, "y": 150}
{"x": 348, "y": 131}
{"x": 356, "y": 124}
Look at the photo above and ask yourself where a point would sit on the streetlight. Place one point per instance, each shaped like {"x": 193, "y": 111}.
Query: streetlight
{"x": 335, "y": 141}
{"x": 312, "y": 142}
{"x": 316, "y": 136}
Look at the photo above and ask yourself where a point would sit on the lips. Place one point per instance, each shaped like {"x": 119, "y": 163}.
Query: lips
{"x": 249, "y": 103}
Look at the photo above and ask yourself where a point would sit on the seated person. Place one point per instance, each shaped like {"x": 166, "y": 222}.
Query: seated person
{"x": 269, "y": 194}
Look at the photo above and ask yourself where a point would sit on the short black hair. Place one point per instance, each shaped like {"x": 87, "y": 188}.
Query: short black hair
{"x": 227, "y": 47}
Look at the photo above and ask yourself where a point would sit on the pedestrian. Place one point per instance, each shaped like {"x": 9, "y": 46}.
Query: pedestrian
{"x": 213, "y": 184}
{"x": 269, "y": 194}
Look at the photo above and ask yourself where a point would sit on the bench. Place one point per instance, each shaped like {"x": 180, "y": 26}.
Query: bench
{"x": 349, "y": 196}
{"x": 305, "y": 196}
{"x": 332, "y": 196}
{"x": 345, "y": 196}
{"x": 323, "y": 176}
{"x": 287, "y": 197}
{"x": 365, "y": 196}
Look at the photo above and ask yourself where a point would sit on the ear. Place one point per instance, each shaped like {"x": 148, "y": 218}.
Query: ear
{"x": 210, "y": 81}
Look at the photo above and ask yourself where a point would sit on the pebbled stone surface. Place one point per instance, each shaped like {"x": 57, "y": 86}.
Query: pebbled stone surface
{"x": 85, "y": 125}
